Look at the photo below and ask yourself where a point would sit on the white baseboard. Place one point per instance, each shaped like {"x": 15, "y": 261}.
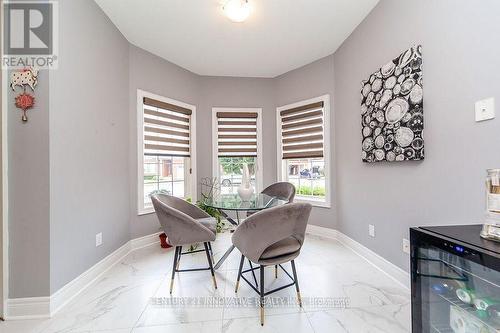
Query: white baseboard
{"x": 28, "y": 308}
{"x": 321, "y": 231}
{"x": 46, "y": 307}
{"x": 138, "y": 243}
{"x": 75, "y": 287}
{"x": 397, "y": 274}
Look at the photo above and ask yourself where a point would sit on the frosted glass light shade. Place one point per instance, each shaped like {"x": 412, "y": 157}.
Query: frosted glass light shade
{"x": 237, "y": 10}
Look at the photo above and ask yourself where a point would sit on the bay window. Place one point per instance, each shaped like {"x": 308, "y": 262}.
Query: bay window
{"x": 237, "y": 141}
{"x": 303, "y": 149}
{"x": 166, "y": 152}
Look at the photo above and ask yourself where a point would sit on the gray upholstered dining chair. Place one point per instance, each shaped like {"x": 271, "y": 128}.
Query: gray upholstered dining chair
{"x": 272, "y": 237}
{"x": 185, "y": 224}
{"x": 281, "y": 190}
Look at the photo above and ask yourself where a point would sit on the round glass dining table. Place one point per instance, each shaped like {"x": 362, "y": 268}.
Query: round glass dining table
{"x": 225, "y": 203}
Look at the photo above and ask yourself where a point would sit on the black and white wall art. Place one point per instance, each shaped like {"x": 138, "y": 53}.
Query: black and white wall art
{"x": 392, "y": 114}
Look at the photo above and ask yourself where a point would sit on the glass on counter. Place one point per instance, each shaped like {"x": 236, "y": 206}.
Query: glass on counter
{"x": 491, "y": 227}
{"x": 493, "y": 191}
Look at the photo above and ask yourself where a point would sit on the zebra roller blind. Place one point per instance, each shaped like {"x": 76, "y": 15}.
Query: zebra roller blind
{"x": 166, "y": 129}
{"x": 302, "y": 131}
{"x": 237, "y": 134}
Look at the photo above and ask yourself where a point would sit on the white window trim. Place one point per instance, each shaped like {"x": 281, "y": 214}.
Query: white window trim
{"x": 326, "y": 147}
{"x": 141, "y": 210}
{"x": 215, "y": 155}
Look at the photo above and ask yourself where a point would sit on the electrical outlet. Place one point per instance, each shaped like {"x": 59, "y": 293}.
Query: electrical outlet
{"x": 485, "y": 109}
{"x": 371, "y": 230}
{"x": 98, "y": 239}
{"x": 406, "y": 246}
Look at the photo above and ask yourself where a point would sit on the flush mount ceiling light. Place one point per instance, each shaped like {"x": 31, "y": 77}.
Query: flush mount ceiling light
{"x": 237, "y": 10}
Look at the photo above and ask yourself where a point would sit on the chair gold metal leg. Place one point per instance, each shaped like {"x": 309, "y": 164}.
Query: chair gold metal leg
{"x": 299, "y": 299}
{"x": 261, "y": 315}
{"x": 214, "y": 281}
{"x": 211, "y": 252}
{"x": 174, "y": 268}
{"x": 171, "y": 285}
{"x": 210, "y": 264}
{"x": 239, "y": 273}
{"x": 261, "y": 295}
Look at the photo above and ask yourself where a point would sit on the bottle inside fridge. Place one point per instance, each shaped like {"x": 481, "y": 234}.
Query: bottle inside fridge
{"x": 454, "y": 290}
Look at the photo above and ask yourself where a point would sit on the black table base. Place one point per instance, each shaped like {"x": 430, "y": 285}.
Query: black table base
{"x": 231, "y": 248}
{"x": 257, "y": 203}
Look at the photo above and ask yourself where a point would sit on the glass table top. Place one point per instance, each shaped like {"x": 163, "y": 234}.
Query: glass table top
{"x": 233, "y": 202}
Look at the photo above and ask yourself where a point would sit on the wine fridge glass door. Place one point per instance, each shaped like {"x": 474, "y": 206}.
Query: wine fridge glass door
{"x": 452, "y": 293}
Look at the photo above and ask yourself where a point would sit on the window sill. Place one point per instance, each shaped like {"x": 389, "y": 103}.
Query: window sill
{"x": 145, "y": 211}
{"x": 314, "y": 203}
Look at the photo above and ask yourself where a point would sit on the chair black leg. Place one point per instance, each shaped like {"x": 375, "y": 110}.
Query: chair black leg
{"x": 174, "y": 267}
{"x": 239, "y": 273}
{"x": 207, "y": 251}
{"x": 261, "y": 295}
{"x": 179, "y": 258}
{"x": 296, "y": 283}
{"x": 253, "y": 272}
{"x": 275, "y": 271}
{"x": 211, "y": 252}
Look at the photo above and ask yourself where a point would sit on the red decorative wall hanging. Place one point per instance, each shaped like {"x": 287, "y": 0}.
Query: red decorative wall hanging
{"x": 27, "y": 77}
{"x": 24, "y": 102}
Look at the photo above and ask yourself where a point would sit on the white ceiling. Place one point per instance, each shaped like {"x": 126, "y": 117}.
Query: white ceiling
{"x": 279, "y": 36}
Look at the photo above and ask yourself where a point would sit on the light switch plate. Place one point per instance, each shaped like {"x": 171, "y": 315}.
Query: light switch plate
{"x": 406, "y": 245}
{"x": 98, "y": 239}
{"x": 485, "y": 109}
{"x": 371, "y": 230}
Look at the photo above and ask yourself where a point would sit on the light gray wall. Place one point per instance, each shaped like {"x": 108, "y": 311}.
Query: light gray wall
{"x": 28, "y": 165}
{"x": 158, "y": 76}
{"x": 238, "y": 93}
{"x": 89, "y": 142}
{"x": 313, "y": 80}
{"x": 460, "y": 54}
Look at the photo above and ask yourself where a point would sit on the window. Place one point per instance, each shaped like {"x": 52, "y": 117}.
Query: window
{"x": 166, "y": 150}
{"x": 237, "y": 141}
{"x": 303, "y": 149}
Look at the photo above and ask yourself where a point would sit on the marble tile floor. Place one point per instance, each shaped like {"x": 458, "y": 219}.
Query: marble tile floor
{"x": 341, "y": 293}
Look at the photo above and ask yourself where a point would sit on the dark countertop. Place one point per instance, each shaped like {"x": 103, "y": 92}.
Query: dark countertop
{"x": 467, "y": 234}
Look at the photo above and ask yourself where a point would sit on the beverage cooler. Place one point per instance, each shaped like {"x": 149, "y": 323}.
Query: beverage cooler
{"x": 455, "y": 280}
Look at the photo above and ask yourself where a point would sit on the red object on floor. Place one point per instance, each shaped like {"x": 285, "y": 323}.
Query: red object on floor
{"x": 163, "y": 241}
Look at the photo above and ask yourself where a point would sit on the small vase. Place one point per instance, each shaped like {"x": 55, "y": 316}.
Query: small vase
{"x": 245, "y": 190}
{"x": 245, "y": 193}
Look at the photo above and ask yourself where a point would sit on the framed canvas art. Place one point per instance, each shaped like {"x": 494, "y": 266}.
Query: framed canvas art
{"x": 392, "y": 113}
